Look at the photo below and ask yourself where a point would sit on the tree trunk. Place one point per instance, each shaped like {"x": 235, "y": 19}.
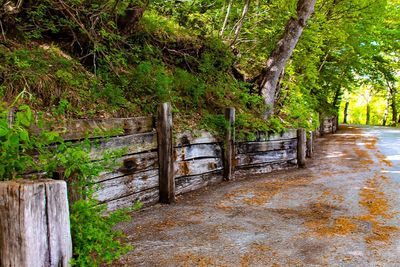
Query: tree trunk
{"x": 393, "y": 93}
{"x": 269, "y": 77}
{"x": 228, "y": 11}
{"x": 240, "y": 22}
{"x": 346, "y": 109}
{"x": 386, "y": 113}
{"x": 335, "y": 103}
{"x": 368, "y": 114}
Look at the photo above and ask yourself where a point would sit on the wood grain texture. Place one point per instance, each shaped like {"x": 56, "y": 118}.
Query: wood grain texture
{"x": 187, "y": 184}
{"x": 268, "y": 157}
{"x": 127, "y": 185}
{"x": 198, "y": 166}
{"x": 259, "y": 147}
{"x": 329, "y": 125}
{"x": 165, "y": 154}
{"x": 301, "y": 147}
{"x": 135, "y": 143}
{"x": 310, "y": 145}
{"x": 263, "y": 136}
{"x": 196, "y": 137}
{"x": 147, "y": 197}
{"x": 229, "y": 144}
{"x": 131, "y": 164}
{"x": 266, "y": 167}
{"x": 95, "y": 128}
{"x": 190, "y": 152}
{"x": 59, "y": 233}
{"x": 34, "y": 224}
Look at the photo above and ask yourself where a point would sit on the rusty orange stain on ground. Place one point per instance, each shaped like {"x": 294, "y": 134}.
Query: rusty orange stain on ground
{"x": 383, "y": 160}
{"x": 374, "y": 200}
{"x": 189, "y": 259}
{"x": 261, "y": 194}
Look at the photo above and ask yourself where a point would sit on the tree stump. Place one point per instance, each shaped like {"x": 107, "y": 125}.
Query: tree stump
{"x": 34, "y": 224}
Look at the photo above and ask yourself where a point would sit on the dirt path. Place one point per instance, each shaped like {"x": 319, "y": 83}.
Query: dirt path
{"x": 343, "y": 210}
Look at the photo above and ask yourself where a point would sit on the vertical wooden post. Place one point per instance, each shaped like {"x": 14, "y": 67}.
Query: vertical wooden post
{"x": 310, "y": 145}
{"x": 34, "y": 224}
{"x": 314, "y": 137}
{"x": 301, "y": 148}
{"x": 165, "y": 154}
{"x": 229, "y": 144}
{"x": 337, "y": 122}
{"x": 321, "y": 128}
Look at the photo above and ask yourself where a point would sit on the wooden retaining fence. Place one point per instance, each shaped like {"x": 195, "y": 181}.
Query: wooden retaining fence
{"x": 159, "y": 165}
{"x": 155, "y": 167}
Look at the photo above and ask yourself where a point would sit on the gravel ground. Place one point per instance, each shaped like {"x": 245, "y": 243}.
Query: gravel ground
{"x": 342, "y": 210}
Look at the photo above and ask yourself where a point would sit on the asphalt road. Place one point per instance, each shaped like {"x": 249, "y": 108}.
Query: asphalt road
{"x": 342, "y": 210}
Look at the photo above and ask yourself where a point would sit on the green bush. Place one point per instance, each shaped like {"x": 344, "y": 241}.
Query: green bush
{"x": 94, "y": 240}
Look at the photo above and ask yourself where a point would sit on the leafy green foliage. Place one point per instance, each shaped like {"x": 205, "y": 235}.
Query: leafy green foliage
{"x": 94, "y": 240}
{"x": 13, "y": 141}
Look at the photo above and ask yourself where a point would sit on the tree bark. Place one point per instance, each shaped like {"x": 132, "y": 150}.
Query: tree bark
{"x": 335, "y": 103}
{"x": 269, "y": 77}
{"x": 346, "y": 110}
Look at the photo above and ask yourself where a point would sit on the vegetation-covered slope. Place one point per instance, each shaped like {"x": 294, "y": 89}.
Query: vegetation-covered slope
{"x": 120, "y": 58}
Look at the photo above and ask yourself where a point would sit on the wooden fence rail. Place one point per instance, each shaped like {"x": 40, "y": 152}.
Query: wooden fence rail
{"x": 156, "y": 166}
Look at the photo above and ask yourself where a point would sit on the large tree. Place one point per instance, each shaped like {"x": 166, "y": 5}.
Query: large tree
{"x": 269, "y": 77}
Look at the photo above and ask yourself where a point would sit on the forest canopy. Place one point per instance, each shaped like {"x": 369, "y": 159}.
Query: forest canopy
{"x": 288, "y": 61}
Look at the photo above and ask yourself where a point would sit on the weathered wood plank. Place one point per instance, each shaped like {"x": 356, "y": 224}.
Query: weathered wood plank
{"x": 198, "y": 166}
{"x": 34, "y": 225}
{"x": 329, "y": 125}
{"x": 198, "y": 151}
{"x": 131, "y": 164}
{"x": 271, "y": 156}
{"x": 196, "y": 137}
{"x": 135, "y": 143}
{"x": 59, "y": 233}
{"x": 165, "y": 153}
{"x": 126, "y": 185}
{"x": 289, "y": 134}
{"x": 95, "y": 128}
{"x": 229, "y": 144}
{"x": 257, "y": 147}
{"x": 147, "y": 197}
{"x": 266, "y": 167}
{"x": 187, "y": 184}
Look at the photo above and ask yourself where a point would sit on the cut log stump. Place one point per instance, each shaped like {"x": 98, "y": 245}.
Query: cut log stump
{"x": 34, "y": 224}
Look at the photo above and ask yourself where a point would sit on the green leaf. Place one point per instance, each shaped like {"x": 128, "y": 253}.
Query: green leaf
{"x": 24, "y": 135}
{"x": 3, "y": 131}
